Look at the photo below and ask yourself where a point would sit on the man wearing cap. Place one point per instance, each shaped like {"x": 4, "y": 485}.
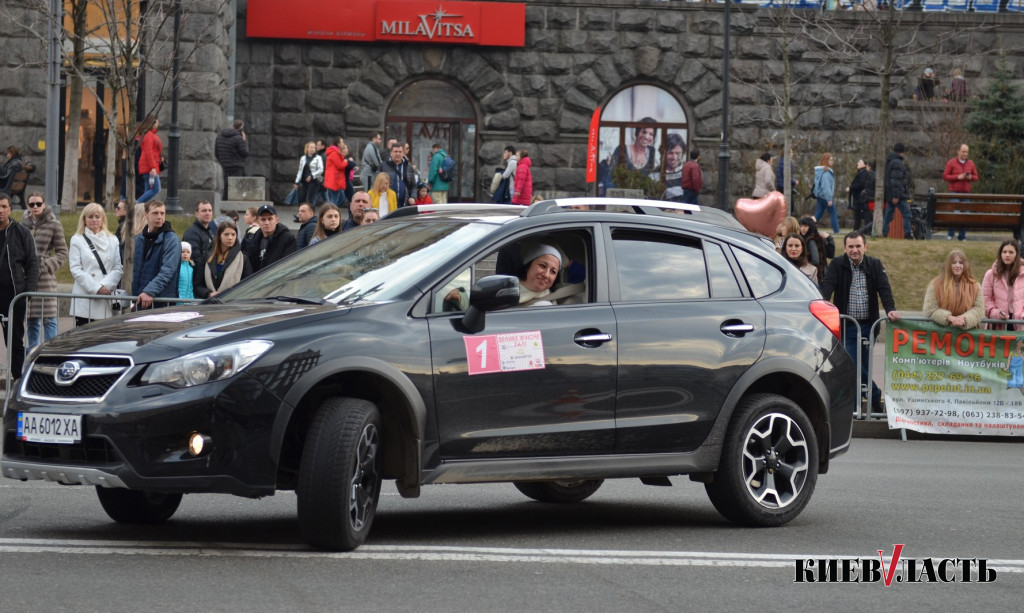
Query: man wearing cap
{"x": 897, "y": 189}
{"x": 273, "y": 242}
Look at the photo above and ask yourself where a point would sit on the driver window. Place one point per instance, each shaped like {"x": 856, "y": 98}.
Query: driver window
{"x": 572, "y": 284}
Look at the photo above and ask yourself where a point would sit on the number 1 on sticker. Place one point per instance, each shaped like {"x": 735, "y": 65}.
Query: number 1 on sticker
{"x": 481, "y": 350}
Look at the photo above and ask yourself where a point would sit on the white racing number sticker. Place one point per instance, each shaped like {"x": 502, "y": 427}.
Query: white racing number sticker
{"x": 504, "y": 352}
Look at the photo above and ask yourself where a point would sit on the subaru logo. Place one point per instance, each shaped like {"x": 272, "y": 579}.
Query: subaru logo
{"x": 67, "y": 372}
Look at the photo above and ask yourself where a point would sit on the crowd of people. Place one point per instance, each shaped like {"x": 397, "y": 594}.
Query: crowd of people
{"x": 210, "y": 257}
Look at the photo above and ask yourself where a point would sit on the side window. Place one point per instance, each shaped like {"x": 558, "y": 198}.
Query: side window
{"x": 573, "y": 283}
{"x": 723, "y": 280}
{"x": 659, "y": 266}
{"x": 762, "y": 277}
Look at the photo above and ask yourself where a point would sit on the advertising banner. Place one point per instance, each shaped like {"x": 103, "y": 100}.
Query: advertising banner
{"x": 946, "y": 380}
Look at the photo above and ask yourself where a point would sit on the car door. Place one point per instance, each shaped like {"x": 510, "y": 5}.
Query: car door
{"x": 687, "y": 331}
{"x": 536, "y": 381}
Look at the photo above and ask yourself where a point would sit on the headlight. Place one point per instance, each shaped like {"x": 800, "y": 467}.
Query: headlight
{"x": 205, "y": 366}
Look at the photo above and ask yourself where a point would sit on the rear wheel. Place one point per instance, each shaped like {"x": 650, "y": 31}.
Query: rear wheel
{"x": 769, "y": 463}
{"x": 340, "y": 475}
{"x": 559, "y": 491}
{"x": 137, "y": 507}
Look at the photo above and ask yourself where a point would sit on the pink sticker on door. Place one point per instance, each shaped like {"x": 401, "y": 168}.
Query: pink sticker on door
{"x": 504, "y": 352}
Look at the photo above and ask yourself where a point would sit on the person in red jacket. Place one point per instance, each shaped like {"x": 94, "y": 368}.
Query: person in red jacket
{"x": 960, "y": 173}
{"x": 693, "y": 179}
{"x": 151, "y": 152}
{"x": 522, "y": 192}
{"x": 336, "y": 171}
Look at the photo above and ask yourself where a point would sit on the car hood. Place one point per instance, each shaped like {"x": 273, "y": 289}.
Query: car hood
{"x": 165, "y": 333}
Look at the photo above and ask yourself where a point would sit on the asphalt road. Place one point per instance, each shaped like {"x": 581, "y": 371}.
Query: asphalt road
{"x": 487, "y": 548}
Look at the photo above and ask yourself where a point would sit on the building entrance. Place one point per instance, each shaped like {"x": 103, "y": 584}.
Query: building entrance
{"x": 433, "y": 111}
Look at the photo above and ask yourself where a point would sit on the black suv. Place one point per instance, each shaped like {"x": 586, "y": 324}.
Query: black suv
{"x": 669, "y": 341}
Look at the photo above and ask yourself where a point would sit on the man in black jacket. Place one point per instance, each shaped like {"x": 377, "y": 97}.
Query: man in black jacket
{"x": 307, "y": 217}
{"x": 854, "y": 282}
{"x": 273, "y": 242}
{"x": 231, "y": 149}
{"x": 201, "y": 233}
{"x": 403, "y": 180}
{"x": 19, "y": 272}
{"x": 897, "y": 189}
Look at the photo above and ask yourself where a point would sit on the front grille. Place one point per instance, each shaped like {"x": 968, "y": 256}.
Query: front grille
{"x": 85, "y": 387}
{"x": 98, "y": 374}
{"x": 90, "y": 451}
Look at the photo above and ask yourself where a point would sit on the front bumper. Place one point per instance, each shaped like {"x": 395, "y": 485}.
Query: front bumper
{"x": 137, "y": 438}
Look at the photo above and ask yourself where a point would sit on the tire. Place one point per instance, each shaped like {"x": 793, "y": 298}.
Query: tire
{"x": 769, "y": 437}
{"x": 559, "y": 491}
{"x": 137, "y": 507}
{"x": 340, "y": 474}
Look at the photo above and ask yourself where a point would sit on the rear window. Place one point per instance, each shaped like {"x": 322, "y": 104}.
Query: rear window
{"x": 762, "y": 277}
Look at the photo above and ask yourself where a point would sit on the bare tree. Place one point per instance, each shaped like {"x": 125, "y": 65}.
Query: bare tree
{"x": 803, "y": 81}
{"x": 887, "y": 44}
{"x": 128, "y": 42}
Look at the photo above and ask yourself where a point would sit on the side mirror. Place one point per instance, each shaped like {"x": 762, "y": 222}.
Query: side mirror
{"x": 489, "y": 294}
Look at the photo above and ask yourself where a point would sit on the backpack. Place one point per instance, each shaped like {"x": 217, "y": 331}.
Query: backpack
{"x": 447, "y": 170}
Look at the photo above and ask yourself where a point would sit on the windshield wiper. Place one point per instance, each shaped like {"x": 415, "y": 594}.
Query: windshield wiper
{"x": 297, "y": 300}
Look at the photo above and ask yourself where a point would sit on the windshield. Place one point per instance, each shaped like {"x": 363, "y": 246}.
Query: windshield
{"x": 369, "y": 264}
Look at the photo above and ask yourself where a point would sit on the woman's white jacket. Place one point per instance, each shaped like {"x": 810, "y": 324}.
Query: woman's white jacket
{"x": 88, "y": 275}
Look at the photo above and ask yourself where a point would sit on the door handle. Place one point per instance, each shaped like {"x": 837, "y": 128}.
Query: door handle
{"x": 591, "y": 338}
{"x": 736, "y": 328}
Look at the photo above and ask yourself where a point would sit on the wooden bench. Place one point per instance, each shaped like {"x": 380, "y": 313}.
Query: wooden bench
{"x": 976, "y": 212}
{"x": 19, "y": 182}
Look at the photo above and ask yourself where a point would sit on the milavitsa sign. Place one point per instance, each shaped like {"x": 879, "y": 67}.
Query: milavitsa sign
{"x": 951, "y": 381}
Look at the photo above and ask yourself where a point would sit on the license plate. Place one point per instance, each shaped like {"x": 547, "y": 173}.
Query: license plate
{"x": 49, "y": 428}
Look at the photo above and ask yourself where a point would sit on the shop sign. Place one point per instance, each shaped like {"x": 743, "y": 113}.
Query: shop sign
{"x": 419, "y": 21}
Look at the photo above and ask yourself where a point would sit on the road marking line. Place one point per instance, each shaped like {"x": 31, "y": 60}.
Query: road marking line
{"x": 434, "y": 553}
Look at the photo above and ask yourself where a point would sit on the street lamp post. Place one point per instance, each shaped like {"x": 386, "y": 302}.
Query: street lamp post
{"x": 174, "y": 136}
{"x": 723, "y": 149}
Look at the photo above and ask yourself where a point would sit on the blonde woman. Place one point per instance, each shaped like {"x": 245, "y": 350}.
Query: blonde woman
{"x": 310, "y": 176}
{"x": 95, "y": 262}
{"x": 954, "y": 298}
{"x": 382, "y": 197}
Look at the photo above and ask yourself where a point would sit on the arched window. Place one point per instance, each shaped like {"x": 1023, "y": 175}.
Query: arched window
{"x": 432, "y": 111}
{"x": 643, "y": 129}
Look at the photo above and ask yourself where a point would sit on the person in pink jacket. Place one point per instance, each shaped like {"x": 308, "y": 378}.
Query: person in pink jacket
{"x": 1003, "y": 286}
{"x": 522, "y": 192}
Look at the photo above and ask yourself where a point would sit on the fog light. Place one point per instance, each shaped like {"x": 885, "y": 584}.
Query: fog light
{"x": 198, "y": 442}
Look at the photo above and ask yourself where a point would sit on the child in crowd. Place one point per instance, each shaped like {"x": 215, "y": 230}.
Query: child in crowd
{"x": 185, "y": 274}
{"x": 423, "y": 194}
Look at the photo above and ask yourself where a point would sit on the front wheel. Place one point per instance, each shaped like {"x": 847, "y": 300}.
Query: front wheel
{"x": 559, "y": 491}
{"x": 340, "y": 474}
{"x": 137, "y": 507}
{"x": 769, "y": 463}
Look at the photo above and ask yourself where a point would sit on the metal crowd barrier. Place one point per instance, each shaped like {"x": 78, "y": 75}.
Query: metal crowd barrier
{"x": 60, "y": 297}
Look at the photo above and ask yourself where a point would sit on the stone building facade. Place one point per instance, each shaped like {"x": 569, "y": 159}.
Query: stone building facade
{"x": 578, "y": 55}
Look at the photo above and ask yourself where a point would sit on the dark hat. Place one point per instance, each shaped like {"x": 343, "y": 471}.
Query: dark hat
{"x": 266, "y": 208}
{"x": 899, "y": 148}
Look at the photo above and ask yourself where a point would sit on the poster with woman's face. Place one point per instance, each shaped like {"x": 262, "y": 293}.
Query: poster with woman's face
{"x": 633, "y": 133}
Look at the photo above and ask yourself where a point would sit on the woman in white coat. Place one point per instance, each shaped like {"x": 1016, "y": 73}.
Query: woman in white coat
{"x": 95, "y": 262}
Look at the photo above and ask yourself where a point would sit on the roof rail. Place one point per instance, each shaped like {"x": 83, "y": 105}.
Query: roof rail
{"x": 642, "y": 207}
{"x": 422, "y": 209}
